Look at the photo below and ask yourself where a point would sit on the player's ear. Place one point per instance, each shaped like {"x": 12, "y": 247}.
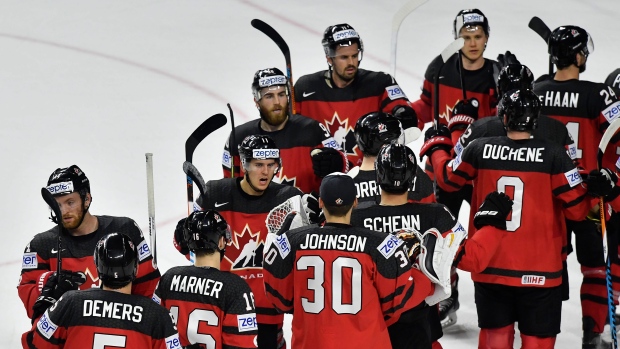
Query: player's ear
{"x": 256, "y": 103}
{"x": 321, "y": 204}
{"x": 330, "y": 60}
{"x": 355, "y": 203}
{"x": 222, "y": 243}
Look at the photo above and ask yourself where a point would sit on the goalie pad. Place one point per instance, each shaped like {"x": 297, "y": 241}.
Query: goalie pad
{"x": 436, "y": 257}
{"x": 290, "y": 214}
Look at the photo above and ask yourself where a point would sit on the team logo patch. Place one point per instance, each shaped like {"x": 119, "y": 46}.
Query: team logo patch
{"x": 227, "y": 159}
{"x": 394, "y": 92}
{"x": 612, "y": 112}
{"x": 29, "y": 261}
{"x": 532, "y": 280}
{"x": 283, "y": 245}
{"x": 173, "y": 342}
{"x": 247, "y": 322}
{"x": 245, "y": 250}
{"x": 143, "y": 250}
{"x": 573, "y": 177}
{"x": 62, "y": 187}
{"x": 389, "y": 245}
{"x": 46, "y": 327}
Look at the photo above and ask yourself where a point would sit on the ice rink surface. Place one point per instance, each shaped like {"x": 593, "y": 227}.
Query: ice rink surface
{"x": 99, "y": 84}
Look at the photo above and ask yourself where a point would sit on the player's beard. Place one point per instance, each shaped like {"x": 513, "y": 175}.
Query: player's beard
{"x": 347, "y": 76}
{"x": 77, "y": 219}
{"x": 272, "y": 118}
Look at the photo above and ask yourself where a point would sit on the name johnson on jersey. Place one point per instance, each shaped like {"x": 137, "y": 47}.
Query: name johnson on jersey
{"x": 334, "y": 242}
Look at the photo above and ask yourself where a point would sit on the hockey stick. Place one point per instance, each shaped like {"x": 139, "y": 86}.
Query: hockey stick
{"x": 51, "y": 202}
{"x": 277, "y": 38}
{"x": 192, "y": 172}
{"x": 150, "y": 189}
{"x": 445, "y": 55}
{"x": 537, "y": 25}
{"x": 206, "y": 128}
{"x": 607, "y": 136}
{"x": 398, "y": 19}
{"x": 231, "y": 142}
{"x": 461, "y": 75}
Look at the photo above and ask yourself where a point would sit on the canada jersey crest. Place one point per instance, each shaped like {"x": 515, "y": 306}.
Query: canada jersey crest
{"x": 245, "y": 251}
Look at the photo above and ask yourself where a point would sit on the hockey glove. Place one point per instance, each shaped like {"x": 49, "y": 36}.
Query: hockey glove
{"x": 435, "y": 139}
{"x": 311, "y": 205}
{"x": 507, "y": 58}
{"x": 54, "y": 288}
{"x": 464, "y": 113}
{"x": 328, "y": 160}
{"x": 493, "y": 211}
{"x": 602, "y": 183}
{"x": 406, "y": 115}
{"x": 179, "y": 240}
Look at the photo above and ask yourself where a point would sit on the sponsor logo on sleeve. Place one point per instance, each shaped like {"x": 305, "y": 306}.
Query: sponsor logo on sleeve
{"x": 389, "y": 245}
{"x": 394, "y": 92}
{"x": 612, "y": 112}
{"x": 572, "y": 151}
{"x": 573, "y": 177}
{"x": 331, "y": 143}
{"x": 173, "y": 342}
{"x": 29, "y": 261}
{"x": 455, "y": 163}
{"x": 62, "y": 187}
{"x": 458, "y": 148}
{"x": 143, "y": 250}
{"x": 618, "y": 163}
{"x": 46, "y": 327}
{"x": 283, "y": 245}
{"x": 227, "y": 159}
{"x": 247, "y": 322}
{"x": 156, "y": 299}
{"x": 532, "y": 280}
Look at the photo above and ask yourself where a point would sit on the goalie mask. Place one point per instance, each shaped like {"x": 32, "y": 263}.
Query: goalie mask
{"x": 396, "y": 167}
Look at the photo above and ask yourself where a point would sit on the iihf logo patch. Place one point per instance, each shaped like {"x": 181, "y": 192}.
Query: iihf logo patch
{"x": 381, "y": 128}
{"x": 574, "y": 32}
{"x": 339, "y": 201}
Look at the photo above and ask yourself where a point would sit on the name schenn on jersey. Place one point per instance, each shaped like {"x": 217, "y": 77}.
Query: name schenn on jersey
{"x": 392, "y": 223}
{"x": 197, "y": 285}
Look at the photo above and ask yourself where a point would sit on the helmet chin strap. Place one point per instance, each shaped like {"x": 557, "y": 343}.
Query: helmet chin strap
{"x": 247, "y": 178}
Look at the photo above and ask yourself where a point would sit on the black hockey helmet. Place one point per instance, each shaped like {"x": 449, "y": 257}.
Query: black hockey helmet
{"x": 68, "y": 180}
{"x": 376, "y": 129}
{"x": 470, "y": 18}
{"x": 565, "y": 42}
{"x": 267, "y": 78}
{"x": 203, "y": 229}
{"x": 521, "y": 109}
{"x": 613, "y": 80}
{"x": 514, "y": 76}
{"x": 258, "y": 147}
{"x": 116, "y": 259}
{"x": 341, "y": 35}
{"x": 396, "y": 166}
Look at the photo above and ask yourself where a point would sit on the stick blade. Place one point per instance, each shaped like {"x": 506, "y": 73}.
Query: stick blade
{"x": 452, "y": 49}
{"x": 397, "y": 20}
{"x": 273, "y": 35}
{"x": 537, "y": 25}
{"x": 192, "y": 172}
{"x": 207, "y": 127}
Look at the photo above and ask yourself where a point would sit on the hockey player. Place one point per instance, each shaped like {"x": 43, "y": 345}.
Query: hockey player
{"x": 586, "y": 108}
{"x": 107, "y": 317}
{"x": 295, "y": 135}
{"x": 203, "y": 293}
{"x": 372, "y": 131}
{"x": 81, "y": 231}
{"x": 244, "y": 203}
{"x": 340, "y": 95}
{"x": 344, "y": 285}
{"x": 535, "y": 173}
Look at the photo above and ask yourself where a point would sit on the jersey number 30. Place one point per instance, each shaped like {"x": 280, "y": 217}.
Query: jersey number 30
{"x": 317, "y": 304}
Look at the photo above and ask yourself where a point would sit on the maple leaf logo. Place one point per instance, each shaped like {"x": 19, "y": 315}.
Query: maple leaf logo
{"x": 245, "y": 250}
{"x": 343, "y": 133}
{"x": 283, "y": 179}
{"x": 447, "y": 113}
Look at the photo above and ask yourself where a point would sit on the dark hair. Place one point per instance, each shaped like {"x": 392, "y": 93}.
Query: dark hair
{"x": 338, "y": 211}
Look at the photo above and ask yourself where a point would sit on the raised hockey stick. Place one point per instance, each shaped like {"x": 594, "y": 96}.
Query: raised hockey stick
{"x": 150, "y": 189}
{"x": 192, "y": 172}
{"x": 398, "y": 19}
{"x": 232, "y": 143}
{"x": 537, "y": 25}
{"x": 277, "y": 38}
{"x": 445, "y": 55}
{"x": 206, "y": 128}
{"x": 51, "y": 202}
{"x": 607, "y": 136}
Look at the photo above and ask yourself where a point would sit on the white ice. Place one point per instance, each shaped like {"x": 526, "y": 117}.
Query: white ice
{"x": 101, "y": 83}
